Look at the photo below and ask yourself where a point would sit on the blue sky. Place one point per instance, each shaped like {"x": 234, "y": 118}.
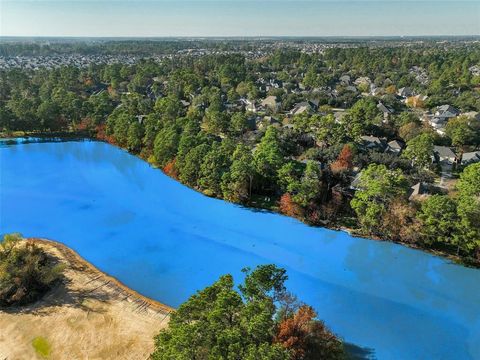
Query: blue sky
{"x": 238, "y": 18}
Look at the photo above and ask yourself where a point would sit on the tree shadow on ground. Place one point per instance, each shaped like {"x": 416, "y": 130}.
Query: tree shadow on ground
{"x": 59, "y": 296}
{"x": 64, "y": 294}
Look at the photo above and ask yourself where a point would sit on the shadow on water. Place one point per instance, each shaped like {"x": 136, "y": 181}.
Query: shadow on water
{"x": 355, "y": 352}
{"x": 40, "y": 139}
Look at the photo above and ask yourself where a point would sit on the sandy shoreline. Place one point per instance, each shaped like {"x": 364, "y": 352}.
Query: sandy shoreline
{"x": 90, "y": 315}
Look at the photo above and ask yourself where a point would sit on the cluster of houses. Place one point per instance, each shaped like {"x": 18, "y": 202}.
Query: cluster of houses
{"x": 267, "y": 111}
{"x": 260, "y": 50}
{"x": 265, "y": 47}
{"x": 443, "y": 155}
{"x": 380, "y": 144}
{"x": 52, "y": 62}
{"x": 474, "y": 70}
{"x": 264, "y": 113}
{"x": 439, "y": 119}
{"x": 360, "y": 86}
{"x": 421, "y": 74}
{"x": 417, "y": 192}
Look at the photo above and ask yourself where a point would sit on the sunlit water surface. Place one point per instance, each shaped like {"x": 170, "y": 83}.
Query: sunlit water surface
{"x": 166, "y": 241}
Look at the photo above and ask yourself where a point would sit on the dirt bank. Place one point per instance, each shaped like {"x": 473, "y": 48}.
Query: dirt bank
{"x": 90, "y": 315}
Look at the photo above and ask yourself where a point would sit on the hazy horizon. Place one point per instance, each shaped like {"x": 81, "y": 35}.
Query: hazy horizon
{"x": 235, "y": 18}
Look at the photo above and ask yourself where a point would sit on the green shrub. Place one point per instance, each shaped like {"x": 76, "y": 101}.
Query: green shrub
{"x": 26, "y": 271}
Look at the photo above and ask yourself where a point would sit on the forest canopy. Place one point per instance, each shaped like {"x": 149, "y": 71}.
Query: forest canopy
{"x": 261, "y": 320}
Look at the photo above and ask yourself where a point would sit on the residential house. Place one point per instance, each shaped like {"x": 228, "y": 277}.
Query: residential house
{"x": 372, "y": 142}
{"x": 441, "y": 117}
{"x": 303, "y": 107}
{"x": 420, "y": 74}
{"x": 314, "y": 103}
{"x": 271, "y": 103}
{"x": 249, "y": 105}
{"x": 446, "y": 111}
{"x": 470, "y": 158}
{"x": 438, "y": 124}
{"x": 351, "y": 88}
{"x": 263, "y": 123}
{"x": 97, "y": 89}
{"x": 386, "y": 110}
{"x": 395, "y": 146}
{"x": 444, "y": 155}
{"x": 363, "y": 80}
{"x": 185, "y": 103}
{"x": 376, "y": 91}
{"x": 405, "y": 92}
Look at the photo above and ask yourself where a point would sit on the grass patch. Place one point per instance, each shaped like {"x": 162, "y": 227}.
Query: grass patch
{"x": 41, "y": 346}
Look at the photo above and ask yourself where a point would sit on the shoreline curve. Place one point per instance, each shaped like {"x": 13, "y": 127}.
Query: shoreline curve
{"x": 77, "y": 262}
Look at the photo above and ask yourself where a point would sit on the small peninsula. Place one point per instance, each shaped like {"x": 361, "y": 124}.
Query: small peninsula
{"x": 88, "y": 313}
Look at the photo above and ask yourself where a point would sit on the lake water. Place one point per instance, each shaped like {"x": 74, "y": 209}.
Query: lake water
{"x": 166, "y": 241}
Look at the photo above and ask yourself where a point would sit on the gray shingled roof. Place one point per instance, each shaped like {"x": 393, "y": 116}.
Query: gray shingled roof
{"x": 418, "y": 189}
{"x": 372, "y": 140}
{"x": 444, "y": 152}
{"x": 384, "y": 108}
{"x": 395, "y": 144}
{"x": 447, "y": 111}
{"x": 471, "y": 157}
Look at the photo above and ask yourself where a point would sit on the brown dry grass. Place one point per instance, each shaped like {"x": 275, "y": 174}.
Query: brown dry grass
{"x": 88, "y": 316}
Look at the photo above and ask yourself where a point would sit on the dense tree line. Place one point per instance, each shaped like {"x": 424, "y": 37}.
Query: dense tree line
{"x": 441, "y": 221}
{"x": 183, "y": 115}
{"x": 261, "y": 321}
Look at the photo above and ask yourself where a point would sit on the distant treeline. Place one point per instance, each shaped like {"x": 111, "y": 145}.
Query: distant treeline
{"x": 158, "y": 46}
{"x": 145, "y": 48}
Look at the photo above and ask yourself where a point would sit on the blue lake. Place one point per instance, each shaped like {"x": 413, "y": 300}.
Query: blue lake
{"x": 166, "y": 241}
